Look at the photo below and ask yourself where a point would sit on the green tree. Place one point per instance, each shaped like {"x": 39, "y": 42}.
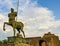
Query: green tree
{"x": 0, "y": 42}
{"x": 5, "y": 41}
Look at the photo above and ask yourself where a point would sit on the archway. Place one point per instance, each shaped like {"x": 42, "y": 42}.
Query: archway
{"x": 42, "y": 43}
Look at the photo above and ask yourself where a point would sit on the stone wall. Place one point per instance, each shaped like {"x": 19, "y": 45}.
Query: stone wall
{"x": 51, "y": 39}
{"x": 33, "y": 41}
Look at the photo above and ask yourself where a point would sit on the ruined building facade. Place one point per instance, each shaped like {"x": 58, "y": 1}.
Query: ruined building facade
{"x": 47, "y": 40}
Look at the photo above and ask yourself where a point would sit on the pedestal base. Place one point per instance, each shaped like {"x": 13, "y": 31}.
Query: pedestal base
{"x": 16, "y": 39}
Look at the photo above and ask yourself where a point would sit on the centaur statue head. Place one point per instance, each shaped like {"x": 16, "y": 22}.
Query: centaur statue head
{"x": 15, "y": 25}
{"x": 12, "y": 10}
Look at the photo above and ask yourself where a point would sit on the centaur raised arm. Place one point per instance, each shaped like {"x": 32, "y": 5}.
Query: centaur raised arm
{"x": 16, "y": 25}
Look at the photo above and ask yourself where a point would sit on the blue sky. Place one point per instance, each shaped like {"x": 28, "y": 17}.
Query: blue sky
{"x": 39, "y": 17}
{"x": 53, "y": 5}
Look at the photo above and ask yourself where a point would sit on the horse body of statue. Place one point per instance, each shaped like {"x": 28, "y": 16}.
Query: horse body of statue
{"x": 16, "y": 25}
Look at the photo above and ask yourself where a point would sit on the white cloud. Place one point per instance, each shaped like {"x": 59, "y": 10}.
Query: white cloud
{"x": 2, "y": 16}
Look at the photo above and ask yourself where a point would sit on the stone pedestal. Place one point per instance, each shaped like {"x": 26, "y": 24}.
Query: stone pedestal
{"x": 16, "y": 39}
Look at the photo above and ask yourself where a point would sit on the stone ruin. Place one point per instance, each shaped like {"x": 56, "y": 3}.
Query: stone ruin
{"x": 47, "y": 40}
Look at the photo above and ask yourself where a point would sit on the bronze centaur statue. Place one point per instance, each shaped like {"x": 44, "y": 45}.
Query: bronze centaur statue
{"x": 15, "y": 25}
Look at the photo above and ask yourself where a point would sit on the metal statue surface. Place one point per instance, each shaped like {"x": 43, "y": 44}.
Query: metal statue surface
{"x": 15, "y": 25}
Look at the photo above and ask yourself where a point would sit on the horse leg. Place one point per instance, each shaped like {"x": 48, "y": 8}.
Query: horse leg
{"x": 23, "y": 32}
{"x": 18, "y": 30}
{"x": 14, "y": 31}
{"x": 4, "y": 25}
{"x": 13, "y": 25}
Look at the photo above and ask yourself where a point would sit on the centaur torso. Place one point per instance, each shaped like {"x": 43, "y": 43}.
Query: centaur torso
{"x": 12, "y": 17}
